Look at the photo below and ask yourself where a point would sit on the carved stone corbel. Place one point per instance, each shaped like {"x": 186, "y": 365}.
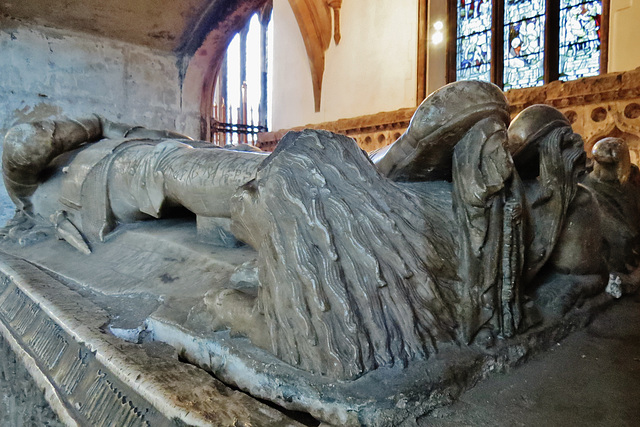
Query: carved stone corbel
{"x": 336, "y": 5}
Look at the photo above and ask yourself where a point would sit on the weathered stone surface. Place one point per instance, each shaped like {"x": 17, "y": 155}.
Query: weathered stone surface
{"x": 48, "y": 72}
{"x": 21, "y": 400}
{"x": 165, "y": 26}
{"x": 469, "y": 243}
{"x": 91, "y": 377}
{"x": 152, "y": 304}
{"x": 371, "y": 132}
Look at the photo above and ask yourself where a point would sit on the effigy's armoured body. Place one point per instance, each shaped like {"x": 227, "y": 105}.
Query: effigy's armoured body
{"x": 454, "y": 235}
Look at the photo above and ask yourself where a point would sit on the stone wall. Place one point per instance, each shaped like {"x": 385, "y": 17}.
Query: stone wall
{"x": 22, "y": 403}
{"x": 600, "y": 106}
{"x": 373, "y": 68}
{"x": 48, "y": 72}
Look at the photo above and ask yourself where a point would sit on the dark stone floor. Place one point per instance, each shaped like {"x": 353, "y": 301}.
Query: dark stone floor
{"x": 590, "y": 379}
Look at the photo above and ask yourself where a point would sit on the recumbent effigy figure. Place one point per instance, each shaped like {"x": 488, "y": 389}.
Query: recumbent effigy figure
{"x": 462, "y": 231}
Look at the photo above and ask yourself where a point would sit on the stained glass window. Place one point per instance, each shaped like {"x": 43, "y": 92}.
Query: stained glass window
{"x": 473, "y": 40}
{"x": 579, "y": 38}
{"x": 524, "y": 26}
{"x": 522, "y": 40}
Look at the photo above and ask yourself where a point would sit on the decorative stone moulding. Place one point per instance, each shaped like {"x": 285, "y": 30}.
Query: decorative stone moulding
{"x": 92, "y": 378}
{"x": 156, "y": 279}
{"x": 600, "y": 106}
{"x": 597, "y": 107}
{"x": 370, "y": 132}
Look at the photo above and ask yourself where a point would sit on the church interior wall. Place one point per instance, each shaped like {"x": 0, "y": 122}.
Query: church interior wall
{"x": 53, "y": 72}
{"x": 624, "y": 33}
{"x": 372, "y": 69}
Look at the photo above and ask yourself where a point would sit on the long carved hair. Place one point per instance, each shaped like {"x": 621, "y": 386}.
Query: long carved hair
{"x": 349, "y": 264}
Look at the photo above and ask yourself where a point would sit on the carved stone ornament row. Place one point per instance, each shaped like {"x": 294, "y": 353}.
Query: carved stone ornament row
{"x": 597, "y": 107}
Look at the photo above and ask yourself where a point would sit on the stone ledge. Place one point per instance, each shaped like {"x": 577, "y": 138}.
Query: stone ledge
{"x": 397, "y": 120}
{"x": 93, "y": 378}
{"x": 588, "y": 90}
{"x": 69, "y": 327}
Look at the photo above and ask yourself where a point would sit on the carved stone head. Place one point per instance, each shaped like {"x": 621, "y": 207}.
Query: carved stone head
{"x": 612, "y": 160}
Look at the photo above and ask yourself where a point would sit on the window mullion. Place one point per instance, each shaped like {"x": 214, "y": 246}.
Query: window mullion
{"x": 243, "y": 70}
{"x": 497, "y": 43}
{"x": 223, "y": 88}
{"x": 452, "y": 34}
{"x": 604, "y": 38}
{"x": 262, "y": 113}
{"x": 551, "y": 40}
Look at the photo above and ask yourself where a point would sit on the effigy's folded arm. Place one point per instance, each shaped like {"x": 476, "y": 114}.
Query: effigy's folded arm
{"x": 134, "y": 172}
{"x": 30, "y": 147}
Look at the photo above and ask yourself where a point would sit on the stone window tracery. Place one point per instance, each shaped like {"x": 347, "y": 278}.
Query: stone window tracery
{"x": 241, "y": 98}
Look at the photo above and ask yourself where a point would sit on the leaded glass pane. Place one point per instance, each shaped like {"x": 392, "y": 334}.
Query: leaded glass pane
{"x": 517, "y": 10}
{"x": 473, "y": 58}
{"x": 569, "y": 3}
{"x": 524, "y": 43}
{"x": 579, "y": 39}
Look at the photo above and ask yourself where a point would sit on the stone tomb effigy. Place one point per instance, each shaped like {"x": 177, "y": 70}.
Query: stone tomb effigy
{"x": 152, "y": 278}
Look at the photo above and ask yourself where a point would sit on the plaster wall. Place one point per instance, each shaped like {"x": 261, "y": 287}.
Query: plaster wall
{"x": 373, "y": 69}
{"x": 624, "y": 33}
{"x": 436, "y": 52}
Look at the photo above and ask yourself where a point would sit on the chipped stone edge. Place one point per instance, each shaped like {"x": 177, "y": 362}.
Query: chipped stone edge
{"x": 77, "y": 328}
{"x": 50, "y": 393}
{"x": 82, "y": 321}
{"x": 255, "y": 374}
